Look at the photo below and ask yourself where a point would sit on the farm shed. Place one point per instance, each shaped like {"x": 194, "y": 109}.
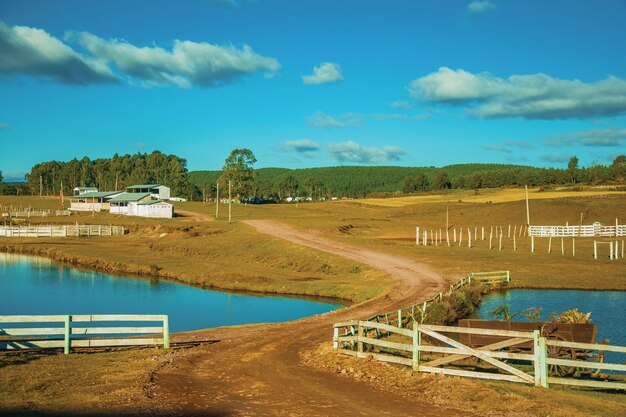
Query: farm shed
{"x": 155, "y": 209}
{"x": 158, "y": 191}
{"x": 126, "y": 203}
{"x": 92, "y": 201}
{"x": 83, "y": 190}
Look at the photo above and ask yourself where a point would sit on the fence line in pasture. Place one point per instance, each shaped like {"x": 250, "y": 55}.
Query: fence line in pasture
{"x": 498, "y": 233}
{"x": 68, "y": 336}
{"x": 61, "y": 231}
{"x": 29, "y": 212}
{"x": 403, "y": 317}
{"x": 430, "y": 348}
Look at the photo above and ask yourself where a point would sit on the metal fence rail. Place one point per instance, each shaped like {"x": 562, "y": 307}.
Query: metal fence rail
{"x": 66, "y": 335}
{"x": 61, "y": 231}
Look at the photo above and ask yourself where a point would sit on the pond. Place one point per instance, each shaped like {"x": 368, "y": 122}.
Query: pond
{"x": 33, "y": 285}
{"x": 606, "y": 307}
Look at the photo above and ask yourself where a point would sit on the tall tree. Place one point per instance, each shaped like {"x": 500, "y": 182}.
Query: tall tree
{"x": 239, "y": 171}
{"x": 572, "y": 169}
{"x": 442, "y": 181}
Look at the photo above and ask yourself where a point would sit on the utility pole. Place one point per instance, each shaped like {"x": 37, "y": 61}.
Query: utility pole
{"x": 527, "y": 208}
{"x": 217, "y": 200}
{"x": 40, "y": 186}
{"x": 230, "y": 203}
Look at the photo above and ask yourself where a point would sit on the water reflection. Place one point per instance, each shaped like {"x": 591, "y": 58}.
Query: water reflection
{"x": 33, "y": 285}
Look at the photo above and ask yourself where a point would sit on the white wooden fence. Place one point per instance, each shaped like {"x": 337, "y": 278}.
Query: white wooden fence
{"x": 65, "y": 335}
{"x": 594, "y": 230}
{"x": 61, "y": 231}
{"x": 36, "y": 213}
{"x": 428, "y": 348}
{"x": 406, "y": 315}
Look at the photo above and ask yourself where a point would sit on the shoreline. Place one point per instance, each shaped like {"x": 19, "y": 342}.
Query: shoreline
{"x": 120, "y": 270}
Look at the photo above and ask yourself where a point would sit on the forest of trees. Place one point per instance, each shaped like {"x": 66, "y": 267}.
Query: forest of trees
{"x": 361, "y": 181}
{"x": 277, "y": 183}
{"x": 113, "y": 173}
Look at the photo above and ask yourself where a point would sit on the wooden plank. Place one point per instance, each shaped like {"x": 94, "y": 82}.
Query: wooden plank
{"x": 381, "y": 326}
{"x": 480, "y": 355}
{"x": 586, "y": 364}
{"x": 32, "y": 319}
{"x": 472, "y": 330}
{"x": 31, "y": 331}
{"x": 471, "y": 374}
{"x": 383, "y": 343}
{"x": 347, "y": 352}
{"x": 586, "y": 346}
{"x": 116, "y": 317}
{"x": 587, "y": 383}
{"x": 346, "y": 323}
{"x": 31, "y": 344}
{"x": 345, "y": 338}
{"x": 386, "y": 358}
{"x": 116, "y": 330}
{"x": 116, "y": 342}
{"x": 460, "y": 354}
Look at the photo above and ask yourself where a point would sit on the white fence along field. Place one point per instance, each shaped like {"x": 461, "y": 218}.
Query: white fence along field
{"x": 594, "y": 230}
{"x": 61, "y": 231}
{"x": 73, "y": 331}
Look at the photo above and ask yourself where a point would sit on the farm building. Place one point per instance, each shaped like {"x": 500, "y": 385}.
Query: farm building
{"x": 141, "y": 204}
{"x": 83, "y": 190}
{"x": 92, "y": 200}
{"x": 158, "y": 191}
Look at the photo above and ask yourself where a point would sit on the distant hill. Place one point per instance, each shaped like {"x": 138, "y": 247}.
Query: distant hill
{"x": 358, "y": 181}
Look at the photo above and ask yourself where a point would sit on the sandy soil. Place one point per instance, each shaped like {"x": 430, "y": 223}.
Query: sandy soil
{"x": 257, "y": 370}
{"x": 194, "y": 216}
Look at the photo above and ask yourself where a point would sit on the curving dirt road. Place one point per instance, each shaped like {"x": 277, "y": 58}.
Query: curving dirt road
{"x": 256, "y": 370}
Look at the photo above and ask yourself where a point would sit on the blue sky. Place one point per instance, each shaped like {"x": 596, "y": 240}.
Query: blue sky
{"x": 313, "y": 83}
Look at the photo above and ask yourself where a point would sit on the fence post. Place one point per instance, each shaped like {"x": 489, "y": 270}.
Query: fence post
{"x": 508, "y": 276}
{"x": 400, "y": 318}
{"x": 543, "y": 353}
{"x": 166, "y": 332}
{"x": 536, "y": 358}
{"x": 416, "y": 347}
{"x": 335, "y": 336}
{"x": 68, "y": 335}
{"x": 595, "y": 249}
{"x": 358, "y": 341}
{"x": 417, "y": 236}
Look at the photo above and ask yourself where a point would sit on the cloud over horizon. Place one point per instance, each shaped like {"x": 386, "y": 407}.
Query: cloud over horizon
{"x": 599, "y": 137}
{"x": 350, "y": 151}
{"x": 304, "y": 147}
{"x": 4, "y": 126}
{"x": 321, "y": 120}
{"x": 326, "y": 73}
{"x": 535, "y": 96}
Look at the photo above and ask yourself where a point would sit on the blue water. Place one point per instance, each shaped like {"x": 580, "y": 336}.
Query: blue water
{"x": 607, "y": 309}
{"x": 32, "y": 285}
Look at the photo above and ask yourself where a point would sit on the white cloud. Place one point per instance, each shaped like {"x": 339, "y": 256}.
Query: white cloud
{"x": 399, "y": 116}
{"x": 188, "y": 62}
{"x": 535, "y": 96}
{"x": 497, "y": 148}
{"x": 506, "y": 146}
{"x": 400, "y": 105}
{"x": 26, "y": 51}
{"x": 593, "y": 138}
{"x": 480, "y": 6}
{"x": 353, "y": 152}
{"x": 326, "y": 73}
{"x": 321, "y": 120}
{"x": 4, "y": 126}
{"x": 556, "y": 158}
{"x": 304, "y": 147}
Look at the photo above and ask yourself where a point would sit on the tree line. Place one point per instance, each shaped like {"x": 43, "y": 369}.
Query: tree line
{"x": 112, "y": 174}
{"x": 362, "y": 181}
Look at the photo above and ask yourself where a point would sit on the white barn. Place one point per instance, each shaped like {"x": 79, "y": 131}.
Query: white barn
{"x": 158, "y": 191}
{"x": 141, "y": 204}
{"x": 92, "y": 201}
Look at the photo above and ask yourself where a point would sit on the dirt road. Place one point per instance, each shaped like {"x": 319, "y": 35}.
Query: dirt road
{"x": 256, "y": 370}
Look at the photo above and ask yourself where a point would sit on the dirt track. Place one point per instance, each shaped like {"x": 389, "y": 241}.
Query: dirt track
{"x": 256, "y": 370}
